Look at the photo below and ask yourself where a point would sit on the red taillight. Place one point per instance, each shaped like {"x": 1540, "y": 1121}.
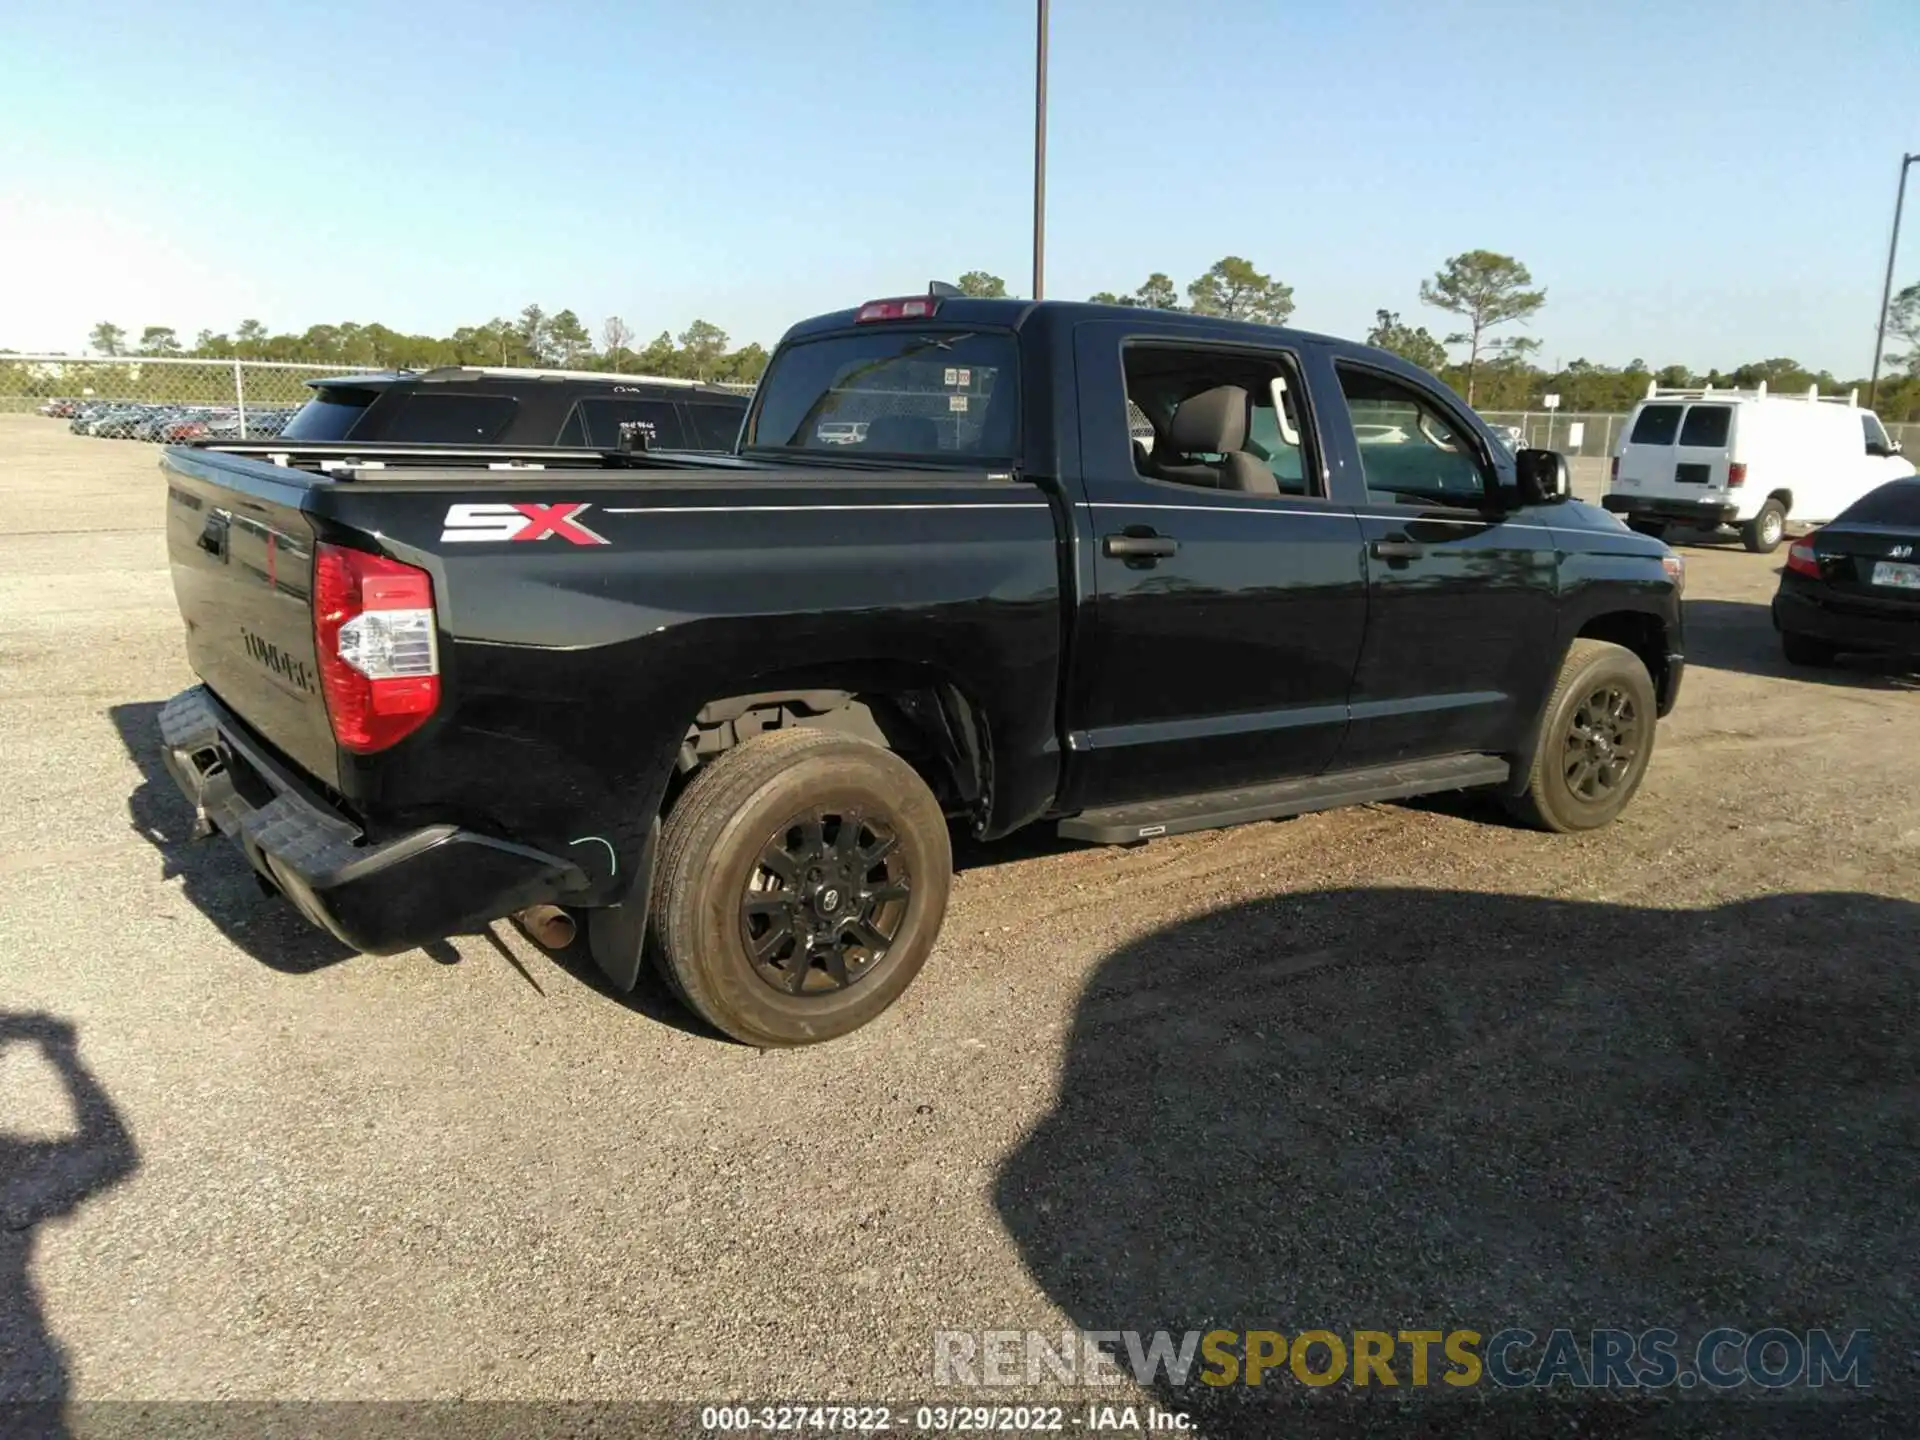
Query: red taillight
{"x": 914, "y": 307}
{"x": 1801, "y": 559}
{"x": 374, "y": 633}
{"x": 1736, "y": 475}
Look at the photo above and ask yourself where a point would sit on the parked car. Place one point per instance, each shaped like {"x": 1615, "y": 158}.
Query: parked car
{"x": 1744, "y": 458}
{"x": 1854, "y": 584}
{"x": 117, "y": 423}
{"x": 736, "y": 701}
{"x": 460, "y": 405}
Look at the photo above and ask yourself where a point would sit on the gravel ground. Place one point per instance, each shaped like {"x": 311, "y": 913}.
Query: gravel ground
{"x": 1389, "y": 1067}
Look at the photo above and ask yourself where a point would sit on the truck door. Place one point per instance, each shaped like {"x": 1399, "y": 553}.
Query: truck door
{"x": 1462, "y": 585}
{"x": 1223, "y": 595}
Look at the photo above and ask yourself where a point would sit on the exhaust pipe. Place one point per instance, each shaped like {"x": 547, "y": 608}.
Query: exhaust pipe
{"x": 549, "y": 925}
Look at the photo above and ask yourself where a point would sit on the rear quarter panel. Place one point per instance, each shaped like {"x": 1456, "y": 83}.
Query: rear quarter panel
{"x": 571, "y": 671}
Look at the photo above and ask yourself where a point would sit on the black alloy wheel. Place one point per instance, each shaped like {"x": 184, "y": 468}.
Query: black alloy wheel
{"x": 1602, "y": 743}
{"x": 825, "y": 902}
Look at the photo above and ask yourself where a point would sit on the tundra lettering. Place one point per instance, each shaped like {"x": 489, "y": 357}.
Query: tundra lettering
{"x": 295, "y": 671}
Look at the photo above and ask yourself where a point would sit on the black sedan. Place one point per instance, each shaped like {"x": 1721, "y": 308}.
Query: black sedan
{"x": 1854, "y": 584}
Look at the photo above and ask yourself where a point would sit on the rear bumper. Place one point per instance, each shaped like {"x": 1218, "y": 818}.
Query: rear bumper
{"x": 1848, "y": 630}
{"x": 1706, "y": 514}
{"x": 378, "y": 898}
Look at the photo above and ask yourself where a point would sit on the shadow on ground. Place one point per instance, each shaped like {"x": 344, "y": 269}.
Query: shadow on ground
{"x": 214, "y": 876}
{"x": 217, "y": 880}
{"x": 43, "y": 1180}
{"x": 1403, "y": 1109}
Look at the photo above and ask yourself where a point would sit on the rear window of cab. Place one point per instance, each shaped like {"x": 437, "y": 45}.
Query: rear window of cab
{"x": 891, "y": 390}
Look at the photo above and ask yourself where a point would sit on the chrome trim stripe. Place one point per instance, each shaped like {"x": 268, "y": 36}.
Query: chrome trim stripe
{"x": 762, "y": 509}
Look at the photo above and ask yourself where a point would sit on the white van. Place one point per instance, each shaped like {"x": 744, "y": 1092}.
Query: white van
{"x": 1745, "y": 458}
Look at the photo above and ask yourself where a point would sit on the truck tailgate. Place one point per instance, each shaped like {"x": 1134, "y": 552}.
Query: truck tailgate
{"x": 241, "y": 553}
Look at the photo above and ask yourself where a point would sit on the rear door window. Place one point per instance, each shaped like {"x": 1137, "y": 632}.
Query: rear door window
{"x": 1657, "y": 425}
{"x": 596, "y": 423}
{"x": 330, "y": 415}
{"x": 715, "y": 427}
{"x": 1706, "y": 425}
{"x": 427, "y": 417}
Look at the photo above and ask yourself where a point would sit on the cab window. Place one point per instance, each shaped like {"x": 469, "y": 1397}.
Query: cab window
{"x": 1411, "y": 451}
{"x": 1218, "y": 420}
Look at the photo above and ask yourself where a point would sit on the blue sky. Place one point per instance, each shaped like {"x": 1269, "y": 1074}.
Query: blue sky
{"x": 1701, "y": 183}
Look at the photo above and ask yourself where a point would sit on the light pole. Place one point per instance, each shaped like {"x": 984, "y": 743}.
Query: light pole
{"x": 1040, "y": 158}
{"x": 1886, "y": 290}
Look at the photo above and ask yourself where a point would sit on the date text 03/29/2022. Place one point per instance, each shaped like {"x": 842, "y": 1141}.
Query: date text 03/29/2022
{"x": 943, "y": 1419}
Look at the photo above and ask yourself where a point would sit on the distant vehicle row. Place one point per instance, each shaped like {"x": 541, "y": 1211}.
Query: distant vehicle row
{"x": 453, "y": 405}
{"x": 169, "y": 424}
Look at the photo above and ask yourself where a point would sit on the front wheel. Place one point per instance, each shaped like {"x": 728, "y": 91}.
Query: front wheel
{"x": 1763, "y": 533}
{"x": 803, "y": 877}
{"x": 1596, "y": 739}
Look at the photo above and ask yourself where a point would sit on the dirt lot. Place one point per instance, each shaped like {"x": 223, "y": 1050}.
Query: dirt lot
{"x": 1392, "y": 1067}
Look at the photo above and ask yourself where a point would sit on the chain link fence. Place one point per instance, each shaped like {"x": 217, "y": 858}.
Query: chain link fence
{"x": 157, "y": 398}
{"x": 164, "y": 399}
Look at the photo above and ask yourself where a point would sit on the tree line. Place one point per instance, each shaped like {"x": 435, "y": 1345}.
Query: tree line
{"x": 1485, "y": 292}
{"x": 534, "y": 339}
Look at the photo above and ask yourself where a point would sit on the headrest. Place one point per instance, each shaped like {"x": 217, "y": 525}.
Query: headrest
{"x": 1213, "y": 422}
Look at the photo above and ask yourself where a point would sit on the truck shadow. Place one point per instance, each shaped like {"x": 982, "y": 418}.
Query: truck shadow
{"x": 1391, "y": 1110}
{"x": 1738, "y": 635}
{"x": 43, "y": 1180}
{"x": 216, "y": 880}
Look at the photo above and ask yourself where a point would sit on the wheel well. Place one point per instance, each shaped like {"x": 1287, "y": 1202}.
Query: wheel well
{"x": 1785, "y": 497}
{"x": 935, "y": 728}
{"x": 1637, "y": 631}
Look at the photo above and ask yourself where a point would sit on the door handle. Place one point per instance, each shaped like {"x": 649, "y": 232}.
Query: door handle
{"x": 1397, "y": 550}
{"x": 213, "y": 537}
{"x": 1145, "y": 546}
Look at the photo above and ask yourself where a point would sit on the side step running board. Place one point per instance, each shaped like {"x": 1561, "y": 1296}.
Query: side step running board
{"x": 1146, "y": 819}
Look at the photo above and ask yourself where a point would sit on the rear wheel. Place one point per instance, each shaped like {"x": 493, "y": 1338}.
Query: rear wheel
{"x": 803, "y": 878}
{"x": 1806, "y": 650}
{"x": 1656, "y": 528}
{"x": 1763, "y": 533}
{"x": 1595, "y": 741}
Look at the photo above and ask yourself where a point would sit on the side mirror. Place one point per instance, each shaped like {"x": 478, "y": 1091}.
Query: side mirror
{"x": 1884, "y": 452}
{"x": 1542, "y": 477}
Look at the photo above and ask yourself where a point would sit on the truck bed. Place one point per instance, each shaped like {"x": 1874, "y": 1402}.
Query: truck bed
{"x": 587, "y": 611}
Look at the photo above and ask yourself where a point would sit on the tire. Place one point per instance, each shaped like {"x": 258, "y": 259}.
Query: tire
{"x": 1806, "y": 650}
{"x": 1656, "y": 528}
{"x": 1602, "y": 703}
{"x": 783, "y": 802}
{"x": 1766, "y": 530}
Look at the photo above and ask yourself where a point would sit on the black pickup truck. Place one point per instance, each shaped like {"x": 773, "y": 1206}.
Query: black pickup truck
{"x": 721, "y": 709}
